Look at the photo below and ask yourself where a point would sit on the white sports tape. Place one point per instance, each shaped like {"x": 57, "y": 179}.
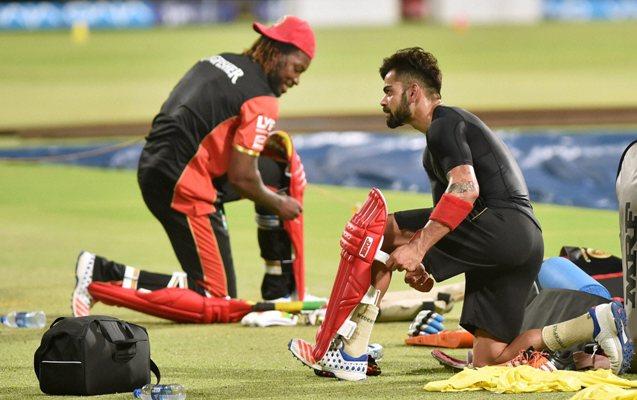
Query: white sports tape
{"x": 131, "y": 275}
{"x": 273, "y": 268}
{"x": 267, "y": 221}
{"x": 371, "y": 297}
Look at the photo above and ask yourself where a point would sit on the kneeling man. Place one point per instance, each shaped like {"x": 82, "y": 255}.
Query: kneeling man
{"x": 482, "y": 226}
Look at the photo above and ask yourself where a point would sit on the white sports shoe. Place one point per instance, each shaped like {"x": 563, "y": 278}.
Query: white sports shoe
{"x": 264, "y": 319}
{"x": 309, "y": 297}
{"x": 611, "y": 333}
{"x": 295, "y": 297}
{"x": 336, "y": 361}
{"x": 81, "y": 301}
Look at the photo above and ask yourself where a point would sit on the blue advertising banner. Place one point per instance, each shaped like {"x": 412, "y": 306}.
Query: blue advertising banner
{"x": 115, "y": 14}
{"x": 56, "y": 15}
{"x": 586, "y": 10}
{"x": 559, "y": 167}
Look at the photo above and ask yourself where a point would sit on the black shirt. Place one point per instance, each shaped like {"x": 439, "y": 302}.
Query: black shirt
{"x": 223, "y": 103}
{"x": 457, "y": 137}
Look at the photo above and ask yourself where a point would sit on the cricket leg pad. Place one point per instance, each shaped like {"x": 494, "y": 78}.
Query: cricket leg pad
{"x": 280, "y": 148}
{"x": 175, "y": 304}
{"x": 362, "y": 237}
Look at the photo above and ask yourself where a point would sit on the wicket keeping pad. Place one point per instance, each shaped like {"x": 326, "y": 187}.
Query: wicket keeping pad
{"x": 362, "y": 237}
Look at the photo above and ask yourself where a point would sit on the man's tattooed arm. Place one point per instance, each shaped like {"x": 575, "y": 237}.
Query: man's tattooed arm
{"x": 461, "y": 187}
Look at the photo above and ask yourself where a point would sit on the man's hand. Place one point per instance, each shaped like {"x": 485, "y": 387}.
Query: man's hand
{"x": 289, "y": 207}
{"x": 419, "y": 280}
{"x": 405, "y": 258}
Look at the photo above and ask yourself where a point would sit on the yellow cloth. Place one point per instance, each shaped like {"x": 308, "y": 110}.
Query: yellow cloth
{"x": 606, "y": 392}
{"x": 525, "y": 379}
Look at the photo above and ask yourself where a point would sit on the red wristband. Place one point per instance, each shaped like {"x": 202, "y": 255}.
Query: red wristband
{"x": 451, "y": 211}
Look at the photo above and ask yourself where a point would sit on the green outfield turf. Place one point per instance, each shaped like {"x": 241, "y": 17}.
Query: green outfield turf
{"x": 49, "y": 213}
{"x": 46, "y": 79}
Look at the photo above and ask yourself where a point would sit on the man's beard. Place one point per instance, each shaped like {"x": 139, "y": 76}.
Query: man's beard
{"x": 402, "y": 114}
{"x": 275, "y": 82}
{"x": 274, "y": 79}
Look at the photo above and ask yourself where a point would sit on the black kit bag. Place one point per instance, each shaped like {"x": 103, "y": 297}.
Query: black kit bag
{"x": 93, "y": 355}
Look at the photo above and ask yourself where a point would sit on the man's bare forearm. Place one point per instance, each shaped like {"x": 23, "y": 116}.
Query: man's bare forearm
{"x": 430, "y": 235}
{"x": 252, "y": 187}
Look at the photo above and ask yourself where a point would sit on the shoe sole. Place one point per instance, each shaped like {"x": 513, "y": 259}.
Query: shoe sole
{"x": 372, "y": 370}
{"x": 80, "y": 270}
{"x": 448, "y": 361}
{"x": 318, "y": 370}
{"x": 621, "y": 325}
{"x": 349, "y": 376}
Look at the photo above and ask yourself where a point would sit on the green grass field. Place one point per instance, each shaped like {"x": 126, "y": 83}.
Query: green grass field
{"x": 46, "y": 79}
{"x": 49, "y": 213}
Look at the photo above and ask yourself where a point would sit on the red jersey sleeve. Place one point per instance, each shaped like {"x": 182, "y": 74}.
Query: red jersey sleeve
{"x": 258, "y": 116}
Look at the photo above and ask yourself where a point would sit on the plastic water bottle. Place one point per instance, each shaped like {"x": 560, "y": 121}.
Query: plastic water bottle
{"x": 29, "y": 319}
{"x": 171, "y": 391}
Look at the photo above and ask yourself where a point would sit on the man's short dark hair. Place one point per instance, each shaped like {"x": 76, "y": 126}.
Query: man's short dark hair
{"x": 414, "y": 63}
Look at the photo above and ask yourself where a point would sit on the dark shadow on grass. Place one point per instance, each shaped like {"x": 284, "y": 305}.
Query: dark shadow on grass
{"x": 241, "y": 383}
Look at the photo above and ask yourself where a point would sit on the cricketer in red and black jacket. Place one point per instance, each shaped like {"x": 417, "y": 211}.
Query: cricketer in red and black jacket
{"x": 205, "y": 149}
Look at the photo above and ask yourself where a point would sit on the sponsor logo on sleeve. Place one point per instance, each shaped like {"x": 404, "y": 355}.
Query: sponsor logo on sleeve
{"x": 263, "y": 128}
{"x": 226, "y": 66}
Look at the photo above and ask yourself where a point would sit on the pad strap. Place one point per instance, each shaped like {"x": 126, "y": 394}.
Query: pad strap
{"x": 178, "y": 279}
{"x": 451, "y": 211}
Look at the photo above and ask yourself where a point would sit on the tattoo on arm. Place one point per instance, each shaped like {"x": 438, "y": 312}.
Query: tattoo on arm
{"x": 461, "y": 187}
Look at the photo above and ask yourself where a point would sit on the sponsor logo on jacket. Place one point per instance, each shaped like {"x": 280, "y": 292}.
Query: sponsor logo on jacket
{"x": 226, "y": 66}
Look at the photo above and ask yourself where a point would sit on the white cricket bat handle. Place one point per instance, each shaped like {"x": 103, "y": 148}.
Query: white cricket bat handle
{"x": 383, "y": 257}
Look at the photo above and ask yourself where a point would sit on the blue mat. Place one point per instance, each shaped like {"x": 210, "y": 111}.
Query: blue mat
{"x": 559, "y": 167}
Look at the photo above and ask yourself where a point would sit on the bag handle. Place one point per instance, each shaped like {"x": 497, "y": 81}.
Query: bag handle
{"x": 58, "y": 319}
{"x": 120, "y": 334}
{"x": 113, "y": 332}
{"x": 155, "y": 369}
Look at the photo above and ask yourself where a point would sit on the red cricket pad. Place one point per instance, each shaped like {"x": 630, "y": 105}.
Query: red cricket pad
{"x": 279, "y": 146}
{"x": 451, "y": 211}
{"x": 175, "y": 304}
{"x": 294, "y": 227}
{"x": 362, "y": 236}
